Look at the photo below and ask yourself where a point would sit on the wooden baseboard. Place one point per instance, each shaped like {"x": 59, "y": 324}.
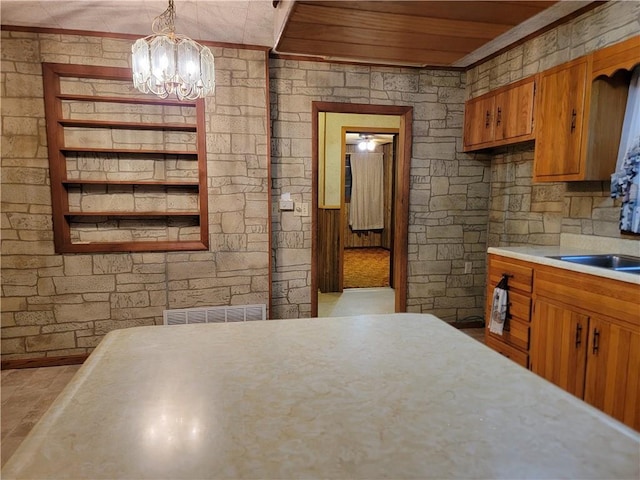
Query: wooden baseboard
{"x": 43, "y": 362}
{"x": 469, "y": 324}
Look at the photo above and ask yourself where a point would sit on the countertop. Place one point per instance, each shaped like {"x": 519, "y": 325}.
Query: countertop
{"x": 540, "y": 255}
{"x": 376, "y": 396}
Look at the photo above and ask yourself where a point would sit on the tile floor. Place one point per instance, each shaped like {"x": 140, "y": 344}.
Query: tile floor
{"x": 27, "y": 393}
{"x": 356, "y": 301}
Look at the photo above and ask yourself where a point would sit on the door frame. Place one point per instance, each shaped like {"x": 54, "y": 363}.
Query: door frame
{"x": 343, "y": 219}
{"x": 401, "y": 188}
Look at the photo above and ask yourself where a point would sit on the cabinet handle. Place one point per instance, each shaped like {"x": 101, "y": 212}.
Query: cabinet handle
{"x": 578, "y": 335}
{"x": 487, "y": 119}
{"x": 499, "y": 117}
{"x": 574, "y": 114}
{"x": 596, "y": 340}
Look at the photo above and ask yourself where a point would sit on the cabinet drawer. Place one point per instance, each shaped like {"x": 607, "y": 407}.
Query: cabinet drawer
{"x": 519, "y": 306}
{"x": 521, "y": 276}
{"x": 517, "y": 334}
{"x": 508, "y": 351}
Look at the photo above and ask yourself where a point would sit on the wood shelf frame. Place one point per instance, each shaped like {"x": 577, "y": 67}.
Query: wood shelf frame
{"x": 56, "y": 123}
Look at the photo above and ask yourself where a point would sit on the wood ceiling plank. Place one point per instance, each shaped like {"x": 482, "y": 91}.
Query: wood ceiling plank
{"x": 322, "y": 15}
{"x": 501, "y": 12}
{"x": 366, "y": 36}
{"x": 370, "y": 53}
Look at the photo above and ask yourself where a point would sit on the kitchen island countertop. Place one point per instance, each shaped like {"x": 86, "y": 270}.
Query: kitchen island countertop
{"x": 376, "y": 396}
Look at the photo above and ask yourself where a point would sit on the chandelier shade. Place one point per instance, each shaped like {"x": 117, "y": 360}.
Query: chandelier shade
{"x": 166, "y": 63}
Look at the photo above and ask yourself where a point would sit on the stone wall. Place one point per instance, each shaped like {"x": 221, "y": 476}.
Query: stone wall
{"x": 64, "y": 304}
{"x": 449, "y": 189}
{"x": 520, "y": 211}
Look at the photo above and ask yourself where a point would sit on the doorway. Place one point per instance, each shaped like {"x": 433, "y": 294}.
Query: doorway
{"x": 330, "y": 219}
{"x": 367, "y": 208}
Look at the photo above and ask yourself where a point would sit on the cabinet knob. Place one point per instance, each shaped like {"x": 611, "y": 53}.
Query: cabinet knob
{"x": 574, "y": 114}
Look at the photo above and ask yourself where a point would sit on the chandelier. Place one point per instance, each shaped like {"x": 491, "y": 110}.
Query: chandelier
{"x": 165, "y": 63}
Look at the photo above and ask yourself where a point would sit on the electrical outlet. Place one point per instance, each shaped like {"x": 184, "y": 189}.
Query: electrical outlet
{"x": 467, "y": 267}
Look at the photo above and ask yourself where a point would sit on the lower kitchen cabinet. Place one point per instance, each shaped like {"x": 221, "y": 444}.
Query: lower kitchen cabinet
{"x": 581, "y": 333}
{"x": 558, "y": 340}
{"x": 613, "y": 370}
{"x": 585, "y": 338}
{"x": 514, "y": 341}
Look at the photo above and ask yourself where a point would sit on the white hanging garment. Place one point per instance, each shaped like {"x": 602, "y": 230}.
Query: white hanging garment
{"x": 367, "y": 192}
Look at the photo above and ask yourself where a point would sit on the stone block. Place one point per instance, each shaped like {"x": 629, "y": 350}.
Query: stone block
{"x": 199, "y": 298}
{"x": 34, "y": 318}
{"x": 77, "y": 265}
{"x": 12, "y": 346}
{"x": 130, "y": 300}
{"x": 450, "y": 251}
{"x": 84, "y": 284}
{"x": 52, "y": 341}
{"x": 31, "y": 176}
{"x": 82, "y": 312}
{"x": 239, "y": 261}
{"x": 112, "y": 263}
{"x": 449, "y": 231}
{"x": 19, "y": 277}
{"x": 190, "y": 270}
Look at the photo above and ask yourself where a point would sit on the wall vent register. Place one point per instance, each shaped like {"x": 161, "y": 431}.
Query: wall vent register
{"x": 222, "y": 314}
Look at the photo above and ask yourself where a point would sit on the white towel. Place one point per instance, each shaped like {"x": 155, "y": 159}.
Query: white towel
{"x": 498, "y": 310}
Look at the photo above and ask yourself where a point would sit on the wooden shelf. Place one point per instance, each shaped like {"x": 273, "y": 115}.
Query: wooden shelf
{"x": 131, "y": 101}
{"x": 66, "y": 224}
{"x": 160, "y": 183}
{"x": 132, "y": 214}
{"x": 128, "y": 151}
{"x": 178, "y": 127}
{"x": 132, "y": 246}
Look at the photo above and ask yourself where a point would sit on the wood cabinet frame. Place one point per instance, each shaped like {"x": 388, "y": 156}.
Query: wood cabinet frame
{"x": 579, "y": 120}
{"x": 501, "y": 117}
{"x": 58, "y": 151}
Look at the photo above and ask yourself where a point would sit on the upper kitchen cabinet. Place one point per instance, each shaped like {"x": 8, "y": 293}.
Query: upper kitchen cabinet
{"x": 579, "y": 114}
{"x": 559, "y": 121}
{"x": 501, "y": 117}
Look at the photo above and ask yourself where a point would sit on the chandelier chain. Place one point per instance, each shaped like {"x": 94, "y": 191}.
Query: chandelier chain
{"x": 165, "y": 22}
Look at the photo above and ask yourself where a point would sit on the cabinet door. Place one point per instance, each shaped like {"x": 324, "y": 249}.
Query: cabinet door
{"x": 479, "y": 121}
{"x": 559, "y": 121}
{"x": 514, "y": 112}
{"x": 613, "y": 365}
{"x": 558, "y": 339}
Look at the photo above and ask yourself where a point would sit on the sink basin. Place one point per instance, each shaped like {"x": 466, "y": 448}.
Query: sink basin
{"x": 620, "y": 263}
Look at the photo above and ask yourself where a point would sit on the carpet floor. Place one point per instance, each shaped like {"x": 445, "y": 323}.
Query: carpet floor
{"x": 366, "y": 267}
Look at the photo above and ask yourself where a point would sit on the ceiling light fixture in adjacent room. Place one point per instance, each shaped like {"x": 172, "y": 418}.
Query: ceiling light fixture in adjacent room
{"x": 366, "y": 143}
{"x": 165, "y": 63}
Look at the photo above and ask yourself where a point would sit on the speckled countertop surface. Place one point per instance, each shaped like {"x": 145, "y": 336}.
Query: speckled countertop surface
{"x": 577, "y": 244}
{"x": 377, "y": 396}
{"x": 541, "y": 256}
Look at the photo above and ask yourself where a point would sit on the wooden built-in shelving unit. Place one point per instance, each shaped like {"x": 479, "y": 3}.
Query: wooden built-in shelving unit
{"x": 70, "y": 220}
